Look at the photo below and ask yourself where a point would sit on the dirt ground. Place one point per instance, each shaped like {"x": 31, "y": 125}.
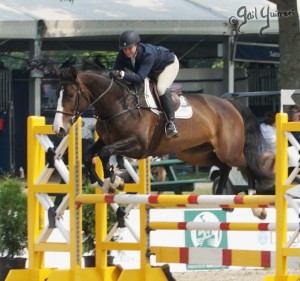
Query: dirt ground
{"x": 228, "y": 275}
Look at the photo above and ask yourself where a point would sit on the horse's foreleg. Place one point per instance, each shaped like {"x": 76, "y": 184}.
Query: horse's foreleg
{"x": 112, "y": 181}
{"x": 129, "y": 146}
{"x": 88, "y": 156}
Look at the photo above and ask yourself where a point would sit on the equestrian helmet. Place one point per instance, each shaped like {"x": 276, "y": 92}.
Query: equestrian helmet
{"x": 128, "y": 38}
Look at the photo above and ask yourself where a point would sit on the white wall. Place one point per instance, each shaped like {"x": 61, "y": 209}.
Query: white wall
{"x": 210, "y": 80}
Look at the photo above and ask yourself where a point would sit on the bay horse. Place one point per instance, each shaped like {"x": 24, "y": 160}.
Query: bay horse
{"x": 219, "y": 132}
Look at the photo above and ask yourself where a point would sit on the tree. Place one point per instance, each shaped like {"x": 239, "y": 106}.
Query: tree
{"x": 289, "y": 44}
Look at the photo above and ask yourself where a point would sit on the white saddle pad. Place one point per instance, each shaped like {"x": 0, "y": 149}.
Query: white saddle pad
{"x": 184, "y": 111}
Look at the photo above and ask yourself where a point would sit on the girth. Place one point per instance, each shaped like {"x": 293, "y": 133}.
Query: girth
{"x": 158, "y": 133}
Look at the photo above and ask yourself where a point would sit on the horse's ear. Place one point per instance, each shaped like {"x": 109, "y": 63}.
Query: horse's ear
{"x": 73, "y": 72}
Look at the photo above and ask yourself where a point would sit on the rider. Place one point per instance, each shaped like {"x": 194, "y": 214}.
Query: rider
{"x": 144, "y": 60}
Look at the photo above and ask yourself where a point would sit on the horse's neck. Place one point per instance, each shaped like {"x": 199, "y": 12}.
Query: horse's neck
{"x": 107, "y": 95}
{"x": 130, "y": 87}
{"x": 98, "y": 84}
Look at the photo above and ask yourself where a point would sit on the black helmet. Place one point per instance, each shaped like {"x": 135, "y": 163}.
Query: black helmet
{"x": 128, "y": 38}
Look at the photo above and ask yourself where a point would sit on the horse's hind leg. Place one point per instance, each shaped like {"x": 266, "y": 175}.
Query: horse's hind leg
{"x": 224, "y": 174}
{"x": 260, "y": 213}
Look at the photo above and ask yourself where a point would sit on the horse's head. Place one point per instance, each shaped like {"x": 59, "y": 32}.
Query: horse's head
{"x": 71, "y": 101}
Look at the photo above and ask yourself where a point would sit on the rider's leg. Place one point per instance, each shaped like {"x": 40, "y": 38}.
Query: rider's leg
{"x": 164, "y": 81}
{"x": 167, "y": 104}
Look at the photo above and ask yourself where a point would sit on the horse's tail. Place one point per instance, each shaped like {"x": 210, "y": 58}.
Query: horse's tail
{"x": 255, "y": 144}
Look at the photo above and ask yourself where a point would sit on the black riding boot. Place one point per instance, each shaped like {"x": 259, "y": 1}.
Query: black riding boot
{"x": 167, "y": 105}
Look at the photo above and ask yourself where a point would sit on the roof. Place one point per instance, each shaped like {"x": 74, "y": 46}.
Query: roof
{"x": 92, "y": 17}
{"x": 94, "y": 24}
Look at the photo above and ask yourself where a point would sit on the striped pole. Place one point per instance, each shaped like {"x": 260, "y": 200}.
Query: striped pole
{"x": 224, "y": 226}
{"x": 212, "y": 201}
{"x": 214, "y": 256}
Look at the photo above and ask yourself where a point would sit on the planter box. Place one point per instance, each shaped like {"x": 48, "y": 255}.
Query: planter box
{"x": 10, "y": 263}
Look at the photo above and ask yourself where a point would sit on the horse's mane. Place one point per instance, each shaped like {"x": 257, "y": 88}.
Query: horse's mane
{"x": 66, "y": 73}
{"x": 85, "y": 65}
{"x": 95, "y": 67}
{"x": 89, "y": 67}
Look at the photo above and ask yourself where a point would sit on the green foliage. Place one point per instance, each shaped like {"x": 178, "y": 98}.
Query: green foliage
{"x": 21, "y": 60}
{"x": 88, "y": 221}
{"x": 13, "y": 218}
{"x": 14, "y": 60}
{"x": 106, "y": 58}
{"x": 219, "y": 63}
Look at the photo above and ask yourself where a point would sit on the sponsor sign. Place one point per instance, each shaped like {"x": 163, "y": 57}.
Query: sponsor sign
{"x": 252, "y": 52}
{"x": 205, "y": 238}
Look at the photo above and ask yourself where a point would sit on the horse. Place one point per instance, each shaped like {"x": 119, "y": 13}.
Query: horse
{"x": 218, "y": 132}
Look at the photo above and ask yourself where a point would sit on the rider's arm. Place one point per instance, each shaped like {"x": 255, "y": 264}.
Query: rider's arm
{"x": 144, "y": 70}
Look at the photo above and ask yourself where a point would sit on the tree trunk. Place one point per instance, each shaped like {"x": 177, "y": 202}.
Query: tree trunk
{"x": 289, "y": 44}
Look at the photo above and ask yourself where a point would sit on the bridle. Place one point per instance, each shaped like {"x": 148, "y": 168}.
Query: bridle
{"x": 80, "y": 93}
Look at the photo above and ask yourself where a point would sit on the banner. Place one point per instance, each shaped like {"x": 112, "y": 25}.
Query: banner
{"x": 252, "y": 52}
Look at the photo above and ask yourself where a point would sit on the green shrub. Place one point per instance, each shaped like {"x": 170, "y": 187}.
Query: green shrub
{"x": 88, "y": 222}
{"x": 13, "y": 218}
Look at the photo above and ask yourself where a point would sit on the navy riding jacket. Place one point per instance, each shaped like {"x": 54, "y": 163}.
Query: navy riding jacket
{"x": 149, "y": 59}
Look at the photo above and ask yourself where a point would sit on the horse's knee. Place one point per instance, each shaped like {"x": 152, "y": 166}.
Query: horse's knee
{"x": 87, "y": 160}
{"x": 104, "y": 153}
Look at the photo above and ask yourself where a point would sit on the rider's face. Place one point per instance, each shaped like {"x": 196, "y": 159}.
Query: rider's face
{"x": 293, "y": 116}
{"x": 130, "y": 52}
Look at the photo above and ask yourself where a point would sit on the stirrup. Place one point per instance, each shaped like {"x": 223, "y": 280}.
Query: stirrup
{"x": 170, "y": 129}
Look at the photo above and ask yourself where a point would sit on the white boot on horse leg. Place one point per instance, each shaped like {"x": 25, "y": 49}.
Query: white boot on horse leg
{"x": 112, "y": 184}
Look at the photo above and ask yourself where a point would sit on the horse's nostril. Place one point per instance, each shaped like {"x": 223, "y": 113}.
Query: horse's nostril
{"x": 61, "y": 131}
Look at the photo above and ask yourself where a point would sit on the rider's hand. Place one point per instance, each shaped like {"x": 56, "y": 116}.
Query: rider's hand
{"x": 116, "y": 74}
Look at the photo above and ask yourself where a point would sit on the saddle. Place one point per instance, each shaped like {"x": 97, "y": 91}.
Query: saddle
{"x": 141, "y": 91}
{"x": 176, "y": 91}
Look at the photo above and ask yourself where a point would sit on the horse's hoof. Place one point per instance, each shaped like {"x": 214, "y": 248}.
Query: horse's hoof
{"x": 121, "y": 185}
{"x": 96, "y": 185}
{"x": 118, "y": 183}
{"x": 111, "y": 187}
{"x": 260, "y": 213}
{"x": 229, "y": 210}
{"x": 263, "y": 214}
{"x": 106, "y": 188}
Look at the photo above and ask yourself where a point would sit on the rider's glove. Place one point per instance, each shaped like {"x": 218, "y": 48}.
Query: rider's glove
{"x": 116, "y": 74}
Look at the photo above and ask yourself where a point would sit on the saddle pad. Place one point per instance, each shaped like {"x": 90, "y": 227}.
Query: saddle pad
{"x": 184, "y": 111}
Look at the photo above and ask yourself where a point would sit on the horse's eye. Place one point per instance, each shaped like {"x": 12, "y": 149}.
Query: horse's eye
{"x": 68, "y": 95}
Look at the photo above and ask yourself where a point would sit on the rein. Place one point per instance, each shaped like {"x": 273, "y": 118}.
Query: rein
{"x": 103, "y": 94}
{"x": 79, "y": 94}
